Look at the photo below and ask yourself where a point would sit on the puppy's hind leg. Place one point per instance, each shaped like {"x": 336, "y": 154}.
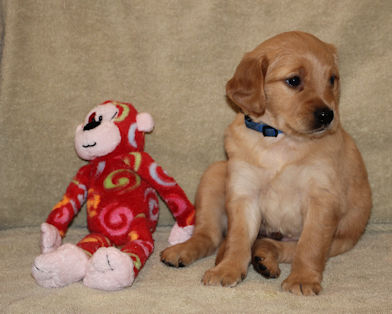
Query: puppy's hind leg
{"x": 268, "y": 254}
{"x": 210, "y": 220}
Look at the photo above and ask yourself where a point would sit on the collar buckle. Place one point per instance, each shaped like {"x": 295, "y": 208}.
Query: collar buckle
{"x": 265, "y": 129}
{"x": 269, "y": 131}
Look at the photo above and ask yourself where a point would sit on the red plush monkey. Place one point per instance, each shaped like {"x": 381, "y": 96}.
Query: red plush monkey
{"x": 119, "y": 184}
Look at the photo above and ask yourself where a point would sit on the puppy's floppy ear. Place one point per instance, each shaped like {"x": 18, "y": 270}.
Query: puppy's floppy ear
{"x": 246, "y": 88}
{"x": 333, "y": 50}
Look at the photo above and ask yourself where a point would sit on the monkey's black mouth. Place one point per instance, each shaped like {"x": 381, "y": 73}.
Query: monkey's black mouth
{"x": 89, "y": 145}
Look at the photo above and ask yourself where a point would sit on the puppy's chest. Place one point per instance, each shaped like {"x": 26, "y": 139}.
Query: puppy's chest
{"x": 282, "y": 191}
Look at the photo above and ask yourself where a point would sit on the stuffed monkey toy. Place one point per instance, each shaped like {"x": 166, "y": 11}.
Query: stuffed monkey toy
{"x": 119, "y": 184}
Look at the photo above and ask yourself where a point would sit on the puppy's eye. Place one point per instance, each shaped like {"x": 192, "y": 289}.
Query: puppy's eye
{"x": 294, "y": 81}
{"x": 332, "y": 80}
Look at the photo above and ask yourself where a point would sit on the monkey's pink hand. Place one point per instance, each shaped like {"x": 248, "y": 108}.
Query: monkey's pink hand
{"x": 50, "y": 238}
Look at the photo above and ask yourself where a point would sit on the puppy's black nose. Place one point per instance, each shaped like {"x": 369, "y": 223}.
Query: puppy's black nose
{"x": 323, "y": 116}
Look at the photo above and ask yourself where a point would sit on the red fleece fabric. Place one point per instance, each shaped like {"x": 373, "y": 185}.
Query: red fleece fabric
{"x": 121, "y": 192}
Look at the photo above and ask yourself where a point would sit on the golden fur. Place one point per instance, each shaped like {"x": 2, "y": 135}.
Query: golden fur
{"x": 308, "y": 184}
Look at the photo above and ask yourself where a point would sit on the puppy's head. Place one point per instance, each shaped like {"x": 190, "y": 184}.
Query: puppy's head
{"x": 290, "y": 82}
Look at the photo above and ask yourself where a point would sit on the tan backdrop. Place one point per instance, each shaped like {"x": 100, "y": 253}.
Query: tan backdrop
{"x": 172, "y": 59}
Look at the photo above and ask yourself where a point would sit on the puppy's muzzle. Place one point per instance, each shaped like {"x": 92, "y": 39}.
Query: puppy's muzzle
{"x": 323, "y": 117}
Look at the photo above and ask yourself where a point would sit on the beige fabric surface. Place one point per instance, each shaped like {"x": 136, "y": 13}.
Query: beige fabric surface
{"x": 172, "y": 59}
{"x": 59, "y": 58}
{"x": 357, "y": 282}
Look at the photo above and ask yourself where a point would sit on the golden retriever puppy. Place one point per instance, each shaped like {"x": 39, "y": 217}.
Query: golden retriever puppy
{"x": 294, "y": 188}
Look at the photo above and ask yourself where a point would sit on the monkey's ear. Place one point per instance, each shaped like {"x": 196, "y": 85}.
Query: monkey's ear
{"x": 246, "y": 87}
{"x": 145, "y": 122}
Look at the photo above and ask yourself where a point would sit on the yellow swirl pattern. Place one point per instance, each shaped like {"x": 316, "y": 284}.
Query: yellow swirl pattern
{"x": 120, "y": 179}
{"x": 138, "y": 160}
{"x": 124, "y": 113}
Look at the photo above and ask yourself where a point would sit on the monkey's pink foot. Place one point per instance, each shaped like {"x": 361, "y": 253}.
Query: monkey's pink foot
{"x": 109, "y": 269}
{"x": 58, "y": 268}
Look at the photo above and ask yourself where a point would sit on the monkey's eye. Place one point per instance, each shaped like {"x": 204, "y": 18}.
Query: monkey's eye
{"x": 115, "y": 115}
{"x": 91, "y": 118}
{"x": 92, "y": 123}
{"x": 294, "y": 81}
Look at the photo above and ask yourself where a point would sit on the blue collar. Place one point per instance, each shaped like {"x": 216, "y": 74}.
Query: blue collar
{"x": 267, "y": 130}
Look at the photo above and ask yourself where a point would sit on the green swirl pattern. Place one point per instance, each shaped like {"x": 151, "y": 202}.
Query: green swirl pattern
{"x": 121, "y": 179}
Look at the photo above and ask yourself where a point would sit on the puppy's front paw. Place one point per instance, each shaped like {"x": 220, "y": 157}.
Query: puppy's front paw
{"x": 225, "y": 275}
{"x": 302, "y": 285}
{"x": 179, "y": 255}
